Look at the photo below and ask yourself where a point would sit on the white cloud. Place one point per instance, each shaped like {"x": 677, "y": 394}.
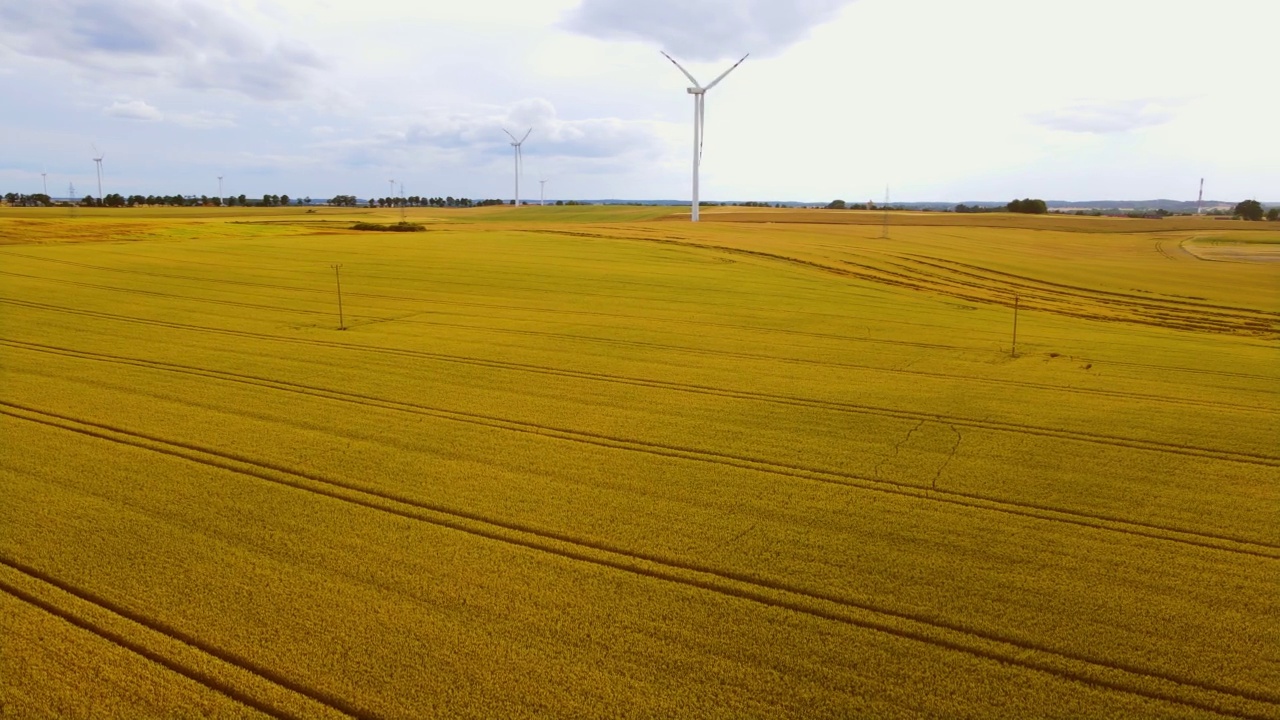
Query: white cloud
{"x": 133, "y": 110}
{"x": 1102, "y": 117}
{"x": 551, "y": 135}
{"x": 705, "y": 29}
{"x": 193, "y": 44}
{"x": 204, "y": 120}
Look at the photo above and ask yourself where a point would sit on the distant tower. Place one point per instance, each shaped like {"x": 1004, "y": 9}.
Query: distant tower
{"x": 1200, "y": 197}
{"x": 44, "y": 178}
{"x": 98, "y": 162}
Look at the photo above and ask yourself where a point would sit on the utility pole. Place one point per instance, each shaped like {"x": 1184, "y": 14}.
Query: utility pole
{"x": 884, "y": 231}
{"x": 342, "y": 325}
{"x": 1013, "y": 350}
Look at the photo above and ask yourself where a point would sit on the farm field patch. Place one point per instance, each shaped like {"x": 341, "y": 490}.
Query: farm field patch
{"x": 593, "y": 461}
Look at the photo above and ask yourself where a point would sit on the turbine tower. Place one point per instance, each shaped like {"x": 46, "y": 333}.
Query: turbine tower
{"x": 220, "y": 198}
{"x": 1200, "y": 197}
{"x": 519, "y": 158}
{"x": 44, "y": 180}
{"x": 98, "y": 160}
{"x": 699, "y": 94}
{"x": 542, "y": 192}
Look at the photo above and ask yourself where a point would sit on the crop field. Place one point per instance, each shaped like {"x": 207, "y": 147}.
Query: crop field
{"x": 601, "y": 462}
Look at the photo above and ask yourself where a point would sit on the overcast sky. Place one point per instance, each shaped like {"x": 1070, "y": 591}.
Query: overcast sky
{"x": 939, "y": 99}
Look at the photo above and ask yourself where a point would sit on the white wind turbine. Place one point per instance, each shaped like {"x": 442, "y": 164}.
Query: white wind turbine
{"x": 699, "y": 94}
{"x": 98, "y": 160}
{"x": 519, "y": 158}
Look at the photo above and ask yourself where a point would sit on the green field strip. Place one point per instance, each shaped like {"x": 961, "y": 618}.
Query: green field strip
{"x": 509, "y": 307}
{"x": 171, "y": 649}
{"x": 1262, "y": 459}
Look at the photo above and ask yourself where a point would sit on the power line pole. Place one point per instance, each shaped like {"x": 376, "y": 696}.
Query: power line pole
{"x": 342, "y": 325}
{"x": 1013, "y": 349}
{"x": 884, "y": 231}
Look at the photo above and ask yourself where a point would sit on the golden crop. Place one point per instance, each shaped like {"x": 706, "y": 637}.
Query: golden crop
{"x": 584, "y": 462}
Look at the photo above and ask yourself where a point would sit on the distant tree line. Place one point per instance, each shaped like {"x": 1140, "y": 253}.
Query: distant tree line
{"x": 32, "y": 200}
{"x": 418, "y": 201}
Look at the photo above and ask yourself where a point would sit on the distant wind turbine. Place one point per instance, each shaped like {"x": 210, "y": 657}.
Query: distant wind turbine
{"x": 44, "y": 180}
{"x": 519, "y": 158}
{"x": 98, "y": 160}
{"x": 542, "y": 192}
{"x": 220, "y": 198}
{"x": 699, "y": 94}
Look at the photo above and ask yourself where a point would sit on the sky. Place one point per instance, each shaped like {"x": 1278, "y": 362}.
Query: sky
{"x": 939, "y": 100}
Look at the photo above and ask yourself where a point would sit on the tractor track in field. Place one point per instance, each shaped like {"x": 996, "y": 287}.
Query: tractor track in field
{"x": 1242, "y": 321}
{"x": 780, "y": 399}
{"x": 335, "y": 704}
{"x": 973, "y": 501}
{"x": 1202, "y": 313}
{"x": 938, "y": 632}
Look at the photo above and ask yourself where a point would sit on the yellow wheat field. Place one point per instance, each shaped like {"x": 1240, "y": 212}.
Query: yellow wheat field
{"x": 598, "y": 462}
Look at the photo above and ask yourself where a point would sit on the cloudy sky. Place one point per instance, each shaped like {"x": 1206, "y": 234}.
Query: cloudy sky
{"x": 939, "y": 99}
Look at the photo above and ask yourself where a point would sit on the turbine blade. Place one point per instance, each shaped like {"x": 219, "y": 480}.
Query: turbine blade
{"x": 526, "y": 135}
{"x": 692, "y": 79}
{"x": 513, "y": 137}
{"x": 702, "y": 123}
{"x": 726, "y": 72}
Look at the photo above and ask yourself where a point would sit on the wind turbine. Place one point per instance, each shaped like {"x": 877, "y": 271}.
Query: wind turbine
{"x": 98, "y": 160}
{"x": 220, "y": 198}
{"x": 542, "y": 192}
{"x": 699, "y": 94}
{"x": 44, "y": 179}
{"x": 519, "y": 158}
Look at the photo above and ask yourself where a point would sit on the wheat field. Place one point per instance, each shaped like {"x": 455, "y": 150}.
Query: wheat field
{"x": 600, "y": 462}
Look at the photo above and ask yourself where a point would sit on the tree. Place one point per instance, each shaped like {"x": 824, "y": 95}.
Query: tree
{"x": 284, "y": 199}
{"x": 1273, "y": 214}
{"x": 835, "y": 205}
{"x": 1249, "y": 210}
{"x": 1029, "y": 206}
{"x": 242, "y": 200}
